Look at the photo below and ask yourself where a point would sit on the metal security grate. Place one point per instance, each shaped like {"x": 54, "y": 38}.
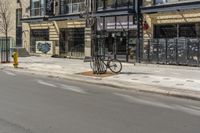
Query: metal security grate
{"x": 181, "y": 51}
{"x": 5, "y": 49}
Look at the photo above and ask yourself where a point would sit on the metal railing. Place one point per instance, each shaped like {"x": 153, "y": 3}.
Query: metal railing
{"x": 5, "y": 52}
{"x": 37, "y": 12}
{"x": 180, "y": 51}
{"x": 75, "y": 7}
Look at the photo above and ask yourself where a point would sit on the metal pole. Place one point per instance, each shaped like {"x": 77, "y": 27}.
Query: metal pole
{"x": 186, "y": 42}
{"x": 148, "y": 50}
{"x": 139, "y": 20}
{"x": 166, "y": 54}
{"x": 198, "y": 54}
{"x": 176, "y": 40}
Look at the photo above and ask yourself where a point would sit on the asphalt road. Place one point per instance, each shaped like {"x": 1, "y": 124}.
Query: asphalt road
{"x": 37, "y": 104}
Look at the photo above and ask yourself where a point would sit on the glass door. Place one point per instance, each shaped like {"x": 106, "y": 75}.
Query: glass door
{"x": 121, "y": 43}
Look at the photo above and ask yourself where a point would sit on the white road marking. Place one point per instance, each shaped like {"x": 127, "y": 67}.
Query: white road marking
{"x": 72, "y": 88}
{"x": 142, "y": 101}
{"x": 10, "y": 73}
{"x": 187, "y": 110}
{"x": 192, "y": 110}
{"x": 46, "y": 83}
{"x": 195, "y": 107}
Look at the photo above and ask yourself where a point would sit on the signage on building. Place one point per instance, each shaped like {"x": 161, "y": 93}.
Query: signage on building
{"x": 50, "y": 7}
{"x": 44, "y": 47}
{"x": 145, "y": 25}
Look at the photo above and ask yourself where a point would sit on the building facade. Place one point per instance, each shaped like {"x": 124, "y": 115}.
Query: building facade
{"x": 117, "y": 27}
{"x": 70, "y": 26}
{"x": 59, "y": 23}
{"x": 171, "y": 29}
{"x": 9, "y": 5}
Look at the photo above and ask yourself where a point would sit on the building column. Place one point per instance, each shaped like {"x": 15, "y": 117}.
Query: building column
{"x": 26, "y": 36}
{"x": 88, "y": 42}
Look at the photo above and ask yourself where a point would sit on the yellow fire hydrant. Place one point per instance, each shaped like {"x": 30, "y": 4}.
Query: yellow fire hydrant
{"x": 15, "y": 59}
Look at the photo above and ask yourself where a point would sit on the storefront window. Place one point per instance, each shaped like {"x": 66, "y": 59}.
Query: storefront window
{"x": 165, "y": 31}
{"x": 38, "y": 35}
{"x": 18, "y": 17}
{"x": 122, "y": 22}
{"x": 72, "y": 40}
{"x": 100, "y": 4}
{"x": 187, "y": 30}
{"x": 132, "y": 24}
{"x": 110, "y": 3}
{"x": 110, "y": 23}
{"x": 122, "y": 2}
{"x": 176, "y": 30}
{"x": 100, "y": 24}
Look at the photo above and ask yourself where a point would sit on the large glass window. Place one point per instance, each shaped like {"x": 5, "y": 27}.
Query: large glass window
{"x": 18, "y": 17}
{"x": 37, "y": 7}
{"x": 38, "y": 35}
{"x": 72, "y": 6}
{"x": 72, "y": 41}
{"x": 165, "y": 31}
{"x": 187, "y": 30}
{"x": 18, "y": 28}
{"x": 122, "y": 2}
{"x": 176, "y": 30}
{"x": 110, "y": 23}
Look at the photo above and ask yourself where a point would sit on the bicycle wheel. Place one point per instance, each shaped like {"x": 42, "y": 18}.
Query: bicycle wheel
{"x": 115, "y": 66}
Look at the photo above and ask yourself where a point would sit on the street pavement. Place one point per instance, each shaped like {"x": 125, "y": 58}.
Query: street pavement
{"x": 164, "y": 79}
{"x": 40, "y": 104}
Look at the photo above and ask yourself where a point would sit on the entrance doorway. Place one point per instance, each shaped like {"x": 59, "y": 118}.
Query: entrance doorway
{"x": 72, "y": 42}
{"x": 38, "y": 35}
{"x": 114, "y": 44}
{"x": 117, "y": 44}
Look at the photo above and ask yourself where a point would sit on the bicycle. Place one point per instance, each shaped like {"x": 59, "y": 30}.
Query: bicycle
{"x": 99, "y": 65}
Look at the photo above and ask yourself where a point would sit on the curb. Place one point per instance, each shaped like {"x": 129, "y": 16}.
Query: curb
{"x": 193, "y": 95}
{"x": 168, "y": 66}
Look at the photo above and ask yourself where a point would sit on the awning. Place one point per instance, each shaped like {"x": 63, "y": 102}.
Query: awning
{"x": 171, "y": 7}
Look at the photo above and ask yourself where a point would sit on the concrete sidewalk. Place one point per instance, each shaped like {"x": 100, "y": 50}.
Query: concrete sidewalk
{"x": 170, "y": 80}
